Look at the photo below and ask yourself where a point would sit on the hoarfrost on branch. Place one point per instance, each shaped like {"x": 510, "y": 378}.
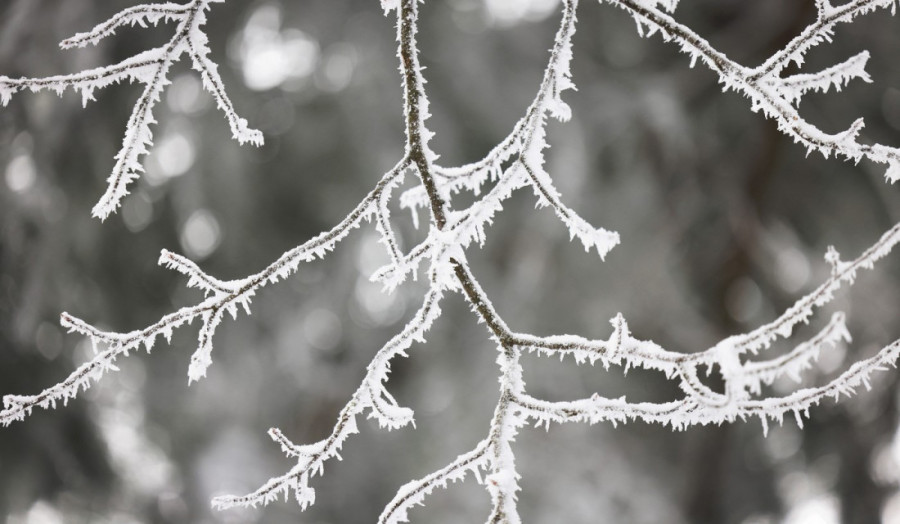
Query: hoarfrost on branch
{"x": 515, "y": 162}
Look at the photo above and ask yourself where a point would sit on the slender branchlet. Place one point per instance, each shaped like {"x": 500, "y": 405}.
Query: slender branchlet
{"x": 774, "y": 94}
{"x": 150, "y": 68}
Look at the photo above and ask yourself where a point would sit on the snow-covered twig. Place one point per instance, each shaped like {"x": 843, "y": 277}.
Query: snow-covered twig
{"x": 622, "y": 349}
{"x": 225, "y": 297}
{"x": 515, "y": 162}
{"x": 150, "y": 68}
{"x": 414, "y": 492}
{"x": 525, "y": 144}
{"x": 774, "y": 95}
{"x": 312, "y": 457}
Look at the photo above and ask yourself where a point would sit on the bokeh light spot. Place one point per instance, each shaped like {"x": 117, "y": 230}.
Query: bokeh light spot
{"x": 201, "y": 234}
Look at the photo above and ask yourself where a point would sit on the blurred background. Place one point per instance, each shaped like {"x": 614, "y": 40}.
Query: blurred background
{"x": 723, "y": 221}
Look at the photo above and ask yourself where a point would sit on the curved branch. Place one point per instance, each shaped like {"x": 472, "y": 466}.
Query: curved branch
{"x": 137, "y": 15}
{"x": 228, "y": 298}
{"x": 414, "y": 492}
{"x": 762, "y": 86}
{"x": 312, "y": 462}
{"x": 150, "y": 68}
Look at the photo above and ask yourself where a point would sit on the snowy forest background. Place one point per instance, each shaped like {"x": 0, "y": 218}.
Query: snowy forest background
{"x": 724, "y": 222}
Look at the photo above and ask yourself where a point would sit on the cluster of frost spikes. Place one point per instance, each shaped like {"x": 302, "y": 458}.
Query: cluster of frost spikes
{"x": 150, "y": 68}
{"x": 452, "y": 231}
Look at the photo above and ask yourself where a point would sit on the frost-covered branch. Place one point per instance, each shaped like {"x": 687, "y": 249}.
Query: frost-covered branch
{"x": 222, "y": 297}
{"x": 150, "y": 68}
{"x": 414, "y": 493}
{"x": 139, "y": 15}
{"x": 836, "y": 76}
{"x": 622, "y": 349}
{"x": 515, "y": 162}
{"x": 767, "y": 90}
{"x": 525, "y": 145}
{"x": 797, "y": 360}
{"x": 700, "y": 404}
{"x": 370, "y": 395}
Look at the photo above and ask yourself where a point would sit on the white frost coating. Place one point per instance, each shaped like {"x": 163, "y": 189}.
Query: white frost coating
{"x": 768, "y": 91}
{"x": 701, "y": 405}
{"x": 525, "y": 146}
{"x": 386, "y": 411}
{"x": 695, "y": 408}
{"x": 623, "y": 349}
{"x": 150, "y": 68}
{"x": 196, "y": 277}
{"x": 413, "y": 493}
{"x": 202, "y": 357}
{"x": 230, "y": 296}
{"x": 139, "y": 68}
{"x": 798, "y": 360}
{"x": 139, "y": 15}
{"x": 136, "y": 143}
{"x": 515, "y": 162}
{"x": 795, "y": 86}
{"x": 415, "y": 100}
{"x": 390, "y": 5}
{"x": 820, "y": 31}
{"x": 212, "y": 82}
{"x": 668, "y": 5}
{"x": 311, "y": 460}
{"x": 600, "y": 239}
{"x": 394, "y": 274}
{"x": 383, "y": 221}
{"x": 802, "y": 310}
{"x": 561, "y": 63}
